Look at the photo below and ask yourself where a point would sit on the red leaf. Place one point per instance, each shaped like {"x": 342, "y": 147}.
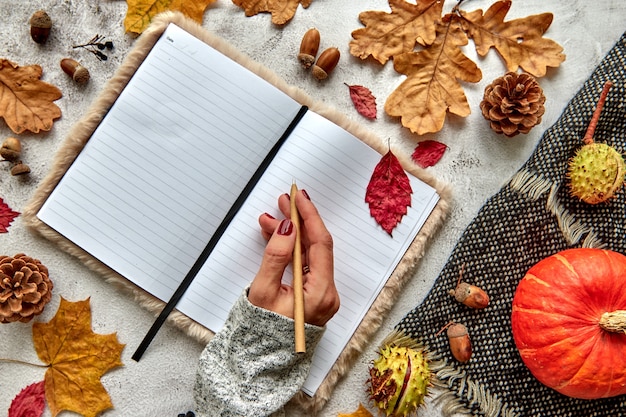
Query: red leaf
{"x": 364, "y": 101}
{"x": 6, "y": 216}
{"x": 30, "y": 402}
{"x": 388, "y": 192}
{"x": 427, "y": 153}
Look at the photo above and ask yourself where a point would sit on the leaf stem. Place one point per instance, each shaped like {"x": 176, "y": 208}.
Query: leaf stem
{"x": 22, "y": 362}
{"x": 596, "y": 114}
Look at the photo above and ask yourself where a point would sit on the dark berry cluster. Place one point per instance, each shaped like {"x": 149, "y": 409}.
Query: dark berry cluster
{"x": 96, "y": 46}
{"x": 188, "y": 414}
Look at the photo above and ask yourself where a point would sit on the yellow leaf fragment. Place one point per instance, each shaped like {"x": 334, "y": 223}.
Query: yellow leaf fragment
{"x": 432, "y": 87}
{"x": 282, "y": 10}
{"x": 76, "y": 358}
{"x": 140, "y": 12}
{"x": 388, "y": 34}
{"x": 360, "y": 412}
{"x": 26, "y": 102}
{"x": 519, "y": 42}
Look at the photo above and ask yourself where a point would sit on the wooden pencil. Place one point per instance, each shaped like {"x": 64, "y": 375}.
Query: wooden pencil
{"x": 298, "y": 292}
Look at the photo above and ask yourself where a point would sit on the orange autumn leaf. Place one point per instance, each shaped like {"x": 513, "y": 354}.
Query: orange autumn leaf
{"x": 140, "y": 12}
{"x": 389, "y": 34}
{"x": 26, "y": 102}
{"x": 519, "y": 42}
{"x": 360, "y": 412}
{"x": 76, "y": 358}
{"x": 282, "y": 10}
{"x": 432, "y": 86}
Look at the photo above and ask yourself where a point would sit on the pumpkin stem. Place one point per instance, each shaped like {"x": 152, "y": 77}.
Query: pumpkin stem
{"x": 614, "y": 321}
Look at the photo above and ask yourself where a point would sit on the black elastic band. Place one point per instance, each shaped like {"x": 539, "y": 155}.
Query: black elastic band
{"x": 216, "y": 237}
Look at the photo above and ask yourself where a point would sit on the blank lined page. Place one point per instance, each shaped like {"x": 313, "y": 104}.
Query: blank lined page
{"x": 167, "y": 162}
{"x": 334, "y": 167}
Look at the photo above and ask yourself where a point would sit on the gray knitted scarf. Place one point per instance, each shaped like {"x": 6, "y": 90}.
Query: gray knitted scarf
{"x": 530, "y": 218}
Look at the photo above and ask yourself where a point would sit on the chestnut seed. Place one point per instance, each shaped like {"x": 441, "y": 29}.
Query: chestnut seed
{"x": 72, "y": 68}
{"x": 40, "y": 24}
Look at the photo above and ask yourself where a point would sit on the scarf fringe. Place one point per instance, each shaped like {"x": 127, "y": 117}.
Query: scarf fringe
{"x": 534, "y": 186}
{"x": 452, "y": 400}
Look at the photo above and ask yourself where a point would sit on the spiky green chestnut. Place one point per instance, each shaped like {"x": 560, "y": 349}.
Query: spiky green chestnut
{"x": 399, "y": 380}
{"x": 596, "y": 173}
{"x": 597, "y": 170}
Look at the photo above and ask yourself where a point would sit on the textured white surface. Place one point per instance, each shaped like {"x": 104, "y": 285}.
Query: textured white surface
{"x": 477, "y": 164}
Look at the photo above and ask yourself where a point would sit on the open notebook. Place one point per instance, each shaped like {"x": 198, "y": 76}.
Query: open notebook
{"x": 166, "y": 164}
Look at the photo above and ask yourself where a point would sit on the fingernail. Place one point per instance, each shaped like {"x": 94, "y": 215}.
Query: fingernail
{"x": 269, "y": 215}
{"x": 288, "y": 196}
{"x": 285, "y": 227}
{"x": 306, "y": 195}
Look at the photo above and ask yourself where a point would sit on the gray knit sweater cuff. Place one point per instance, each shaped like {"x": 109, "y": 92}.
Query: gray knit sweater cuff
{"x": 250, "y": 368}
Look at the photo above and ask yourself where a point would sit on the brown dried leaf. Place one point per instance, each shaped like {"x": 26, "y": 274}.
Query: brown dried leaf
{"x": 76, "y": 358}
{"x": 519, "y": 42}
{"x": 140, "y": 12}
{"x": 389, "y": 34}
{"x": 363, "y": 100}
{"x": 432, "y": 87}
{"x": 282, "y": 10}
{"x": 360, "y": 412}
{"x": 26, "y": 102}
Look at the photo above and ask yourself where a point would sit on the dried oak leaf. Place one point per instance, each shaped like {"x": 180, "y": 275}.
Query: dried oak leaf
{"x": 428, "y": 152}
{"x": 519, "y": 42}
{"x": 26, "y": 102}
{"x": 140, "y": 12}
{"x": 363, "y": 100}
{"x": 389, "y": 34}
{"x": 360, "y": 412}
{"x": 76, "y": 358}
{"x": 388, "y": 192}
{"x": 282, "y": 10}
{"x": 7, "y": 215}
{"x": 30, "y": 402}
{"x": 432, "y": 88}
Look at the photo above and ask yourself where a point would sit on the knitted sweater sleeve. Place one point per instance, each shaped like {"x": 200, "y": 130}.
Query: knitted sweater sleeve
{"x": 250, "y": 368}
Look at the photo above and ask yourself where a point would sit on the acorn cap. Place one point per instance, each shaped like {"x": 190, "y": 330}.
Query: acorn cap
{"x": 40, "y": 19}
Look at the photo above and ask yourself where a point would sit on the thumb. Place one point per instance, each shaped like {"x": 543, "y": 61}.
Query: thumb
{"x": 277, "y": 255}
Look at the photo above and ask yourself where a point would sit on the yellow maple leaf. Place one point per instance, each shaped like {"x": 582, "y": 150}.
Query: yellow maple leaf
{"x": 282, "y": 10}
{"x": 432, "y": 87}
{"x": 76, "y": 358}
{"x": 360, "y": 412}
{"x": 519, "y": 42}
{"x": 388, "y": 34}
{"x": 140, "y": 12}
{"x": 26, "y": 102}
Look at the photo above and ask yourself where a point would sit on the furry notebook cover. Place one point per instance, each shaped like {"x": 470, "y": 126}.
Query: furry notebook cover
{"x": 82, "y": 131}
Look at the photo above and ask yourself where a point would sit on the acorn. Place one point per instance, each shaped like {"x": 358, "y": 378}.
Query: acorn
{"x": 460, "y": 344}
{"x": 75, "y": 70}
{"x": 20, "y": 169}
{"x": 11, "y": 149}
{"x": 40, "y": 24}
{"x": 468, "y": 294}
{"x": 309, "y": 47}
{"x": 326, "y": 63}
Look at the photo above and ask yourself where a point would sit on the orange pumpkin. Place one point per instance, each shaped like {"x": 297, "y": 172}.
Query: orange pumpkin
{"x": 569, "y": 322}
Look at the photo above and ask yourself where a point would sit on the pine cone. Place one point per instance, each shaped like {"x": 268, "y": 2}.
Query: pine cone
{"x": 25, "y": 288}
{"x": 513, "y": 103}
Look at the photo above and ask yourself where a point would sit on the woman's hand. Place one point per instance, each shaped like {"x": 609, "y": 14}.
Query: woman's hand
{"x": 321, "y": 300}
